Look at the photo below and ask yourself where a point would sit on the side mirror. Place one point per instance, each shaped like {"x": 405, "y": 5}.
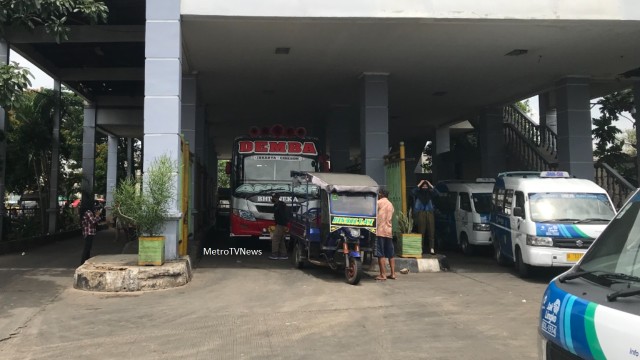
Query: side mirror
{"x": 227, "y": 168}
{"x": 519, "y": 212}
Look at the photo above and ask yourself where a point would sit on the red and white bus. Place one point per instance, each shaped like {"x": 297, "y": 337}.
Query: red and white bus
{"x": 261, "y": 165}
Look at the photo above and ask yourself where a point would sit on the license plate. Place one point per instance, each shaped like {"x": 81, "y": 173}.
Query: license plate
{"x": 574, "y": 257}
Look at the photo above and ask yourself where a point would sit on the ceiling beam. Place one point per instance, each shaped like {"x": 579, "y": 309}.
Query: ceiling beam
{"x": 101, "y": 74}
{"x": 79, "y": 34}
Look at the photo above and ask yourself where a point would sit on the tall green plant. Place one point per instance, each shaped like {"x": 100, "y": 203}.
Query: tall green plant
{"x": 147, "y": 209}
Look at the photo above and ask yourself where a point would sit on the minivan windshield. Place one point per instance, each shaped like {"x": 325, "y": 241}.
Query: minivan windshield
{"x": 617, "y": 249}
{"x": 570, "y": 207}
{"x": 482, "y": 202}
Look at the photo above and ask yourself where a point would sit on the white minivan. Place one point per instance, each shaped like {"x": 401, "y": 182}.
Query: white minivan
{"x": 463, "y": 212}
{"x": 548, "y": 220}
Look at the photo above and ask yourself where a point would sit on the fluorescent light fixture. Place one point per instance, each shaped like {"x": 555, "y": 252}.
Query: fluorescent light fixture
{"x": 516, "y": 52}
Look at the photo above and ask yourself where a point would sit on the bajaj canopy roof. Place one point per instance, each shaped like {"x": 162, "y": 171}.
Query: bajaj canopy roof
{"x": 343, "y": 182}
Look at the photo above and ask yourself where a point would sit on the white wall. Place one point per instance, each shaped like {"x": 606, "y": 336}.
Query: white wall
{"x": 437, "y": 9}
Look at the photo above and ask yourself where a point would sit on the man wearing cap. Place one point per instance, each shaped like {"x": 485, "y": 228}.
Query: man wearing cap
{"x": 278, "y": 248}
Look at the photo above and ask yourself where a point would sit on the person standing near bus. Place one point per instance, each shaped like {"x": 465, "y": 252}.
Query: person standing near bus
{"x": 384, "y": 242}
{"x": 278, "y": 248}
{"x": 90, "y": 221}
{"x": 423, "y": 211}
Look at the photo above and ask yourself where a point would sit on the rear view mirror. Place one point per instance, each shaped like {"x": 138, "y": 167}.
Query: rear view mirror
{"x": 227, "y": 168}
{"x": 519, "y": 212}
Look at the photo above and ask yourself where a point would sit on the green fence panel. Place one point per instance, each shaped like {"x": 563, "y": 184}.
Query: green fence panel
{"x": 394, "y": 187}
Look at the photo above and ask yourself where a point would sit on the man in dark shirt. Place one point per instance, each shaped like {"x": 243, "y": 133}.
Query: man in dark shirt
{"x": 90, "y": 221}
{"x": 278, "y": 248}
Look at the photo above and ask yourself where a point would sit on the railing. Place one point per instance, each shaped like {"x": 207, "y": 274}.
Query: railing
{"x": 529, "y": 155}
{"x": 539, "y": 135}
{"x": 618, "y": 187}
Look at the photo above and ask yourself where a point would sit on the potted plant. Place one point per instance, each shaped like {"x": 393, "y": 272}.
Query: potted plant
{"x": 147, "y": 209}
{"x": 409, "y": 244}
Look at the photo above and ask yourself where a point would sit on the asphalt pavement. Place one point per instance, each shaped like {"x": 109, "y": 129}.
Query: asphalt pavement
{"x": 250, "y": 307}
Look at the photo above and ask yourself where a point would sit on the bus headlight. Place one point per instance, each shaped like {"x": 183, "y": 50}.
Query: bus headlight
{"x": 481, "y": 227}
{"x": 539, "y": 241}
{"x": 244, "y": 214}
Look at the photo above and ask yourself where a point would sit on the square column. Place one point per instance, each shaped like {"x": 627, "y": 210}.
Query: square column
{"x": 188, "y": 122}
{"x": 55, "y": 160}
{"x": 162, "y": 107}
{"x": 112, "y": 173}
{"x": 88, "y": 157}
{"x": 491, "y": 142}
{"x": 374, "y": 124}
{"x": 339, "y": 137}
{"x": 575, "y": 147}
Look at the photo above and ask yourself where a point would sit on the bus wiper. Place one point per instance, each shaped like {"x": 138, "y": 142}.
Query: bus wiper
{"x": 619, "y": 276}
{"x": 623, "y": 293}
{"x": 588, "y": 220}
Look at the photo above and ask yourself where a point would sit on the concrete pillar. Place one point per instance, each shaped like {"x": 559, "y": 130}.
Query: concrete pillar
{"x": 55, "y": 160}
{"x": 339, "y": 137}
{"x": 4, "y": 59}
{"x": 130, "y": 157}
{"x": 162, "y": 108}
{"x": 112, "y": 173}
{"x": 575, "y": 147}
{"x": 491, "y": 142}
{"x": 88, "y": 157}
{"x": 636, "y": 116}
{"x": 374, "y": 124}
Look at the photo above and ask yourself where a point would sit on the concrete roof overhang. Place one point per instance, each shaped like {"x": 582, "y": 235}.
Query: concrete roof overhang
{"x": 441, "y": 71}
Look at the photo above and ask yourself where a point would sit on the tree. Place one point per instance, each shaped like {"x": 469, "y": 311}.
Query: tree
{"x": 524, "y": 107}
{"x": 55, "y": 16}
{"x": 223, "y": 177}
{"x": 610, "y": 145}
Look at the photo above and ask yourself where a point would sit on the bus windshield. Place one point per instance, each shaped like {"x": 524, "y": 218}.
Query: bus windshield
{"x": 274, "y": 167}
{"x": 570, "y": 207}
{"x": 617, "y": 249}
{"x": 363, "y": 204}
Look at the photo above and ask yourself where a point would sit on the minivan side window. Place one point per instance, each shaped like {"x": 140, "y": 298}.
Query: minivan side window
{"x": 498, "y": 200}
{"x": 508, "y": 201}
{"x": 465, "y": 202}
{"x": 520, "y": 201}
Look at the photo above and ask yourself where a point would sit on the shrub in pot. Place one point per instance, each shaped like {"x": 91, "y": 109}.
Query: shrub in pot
{"x": 146, "y": 209}
{"x": 409, "y": 244}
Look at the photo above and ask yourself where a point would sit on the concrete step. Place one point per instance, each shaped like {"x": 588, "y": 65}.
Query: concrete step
{"x": 428, "y": 263}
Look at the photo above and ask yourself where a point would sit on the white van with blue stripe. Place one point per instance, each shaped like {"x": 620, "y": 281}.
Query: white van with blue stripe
{"x": 546, "y": 220}
{"x": 593, "y": 310}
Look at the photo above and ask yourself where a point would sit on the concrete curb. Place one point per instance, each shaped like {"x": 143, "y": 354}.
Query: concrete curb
{"x": 429, "y": 263}
{"x": 120, "y": 273}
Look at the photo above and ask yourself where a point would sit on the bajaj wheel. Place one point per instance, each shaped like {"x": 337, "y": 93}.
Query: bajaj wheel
{"x": 297, "y": 255}
{"x": 353, "y": 272}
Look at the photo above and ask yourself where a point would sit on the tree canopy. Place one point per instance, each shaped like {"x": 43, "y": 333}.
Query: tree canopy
{"x": 55, "y": 16}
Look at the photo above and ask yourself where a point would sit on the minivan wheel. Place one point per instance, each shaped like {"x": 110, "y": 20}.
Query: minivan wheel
{"x": 524, "y": 270}
{"x": 497, "y": 253}
{"x": 466, "y": 248}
